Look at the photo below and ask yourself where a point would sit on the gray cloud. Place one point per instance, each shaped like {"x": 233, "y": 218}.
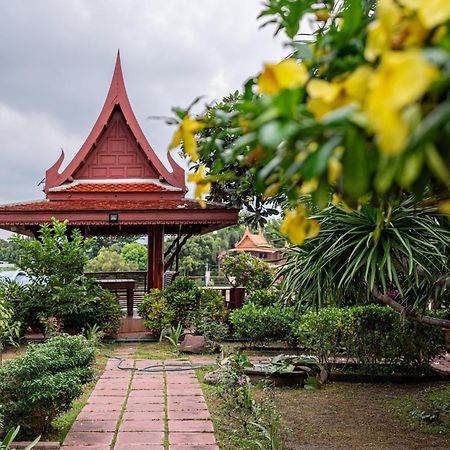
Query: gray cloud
{"x": 57, "y": 57}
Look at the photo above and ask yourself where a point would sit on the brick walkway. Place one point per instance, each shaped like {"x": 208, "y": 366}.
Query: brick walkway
{"x": 140, "y": 410}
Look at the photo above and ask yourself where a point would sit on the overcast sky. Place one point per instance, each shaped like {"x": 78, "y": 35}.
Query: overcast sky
{"x": 57, "y": 59}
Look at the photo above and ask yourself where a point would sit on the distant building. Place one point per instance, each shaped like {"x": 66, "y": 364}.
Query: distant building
{"x": 257, "y": 245}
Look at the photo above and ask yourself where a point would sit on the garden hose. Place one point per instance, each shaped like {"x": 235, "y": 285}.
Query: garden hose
{"x": 159, "y": 367}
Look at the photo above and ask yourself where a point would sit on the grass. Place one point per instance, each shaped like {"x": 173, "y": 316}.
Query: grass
{"x": 354, "y": 416}
{"x": 155, "y": 350}
{"x": 427, "y": 411}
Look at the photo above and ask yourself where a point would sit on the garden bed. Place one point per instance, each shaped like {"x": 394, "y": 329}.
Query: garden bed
{"x": 284, "y": 379}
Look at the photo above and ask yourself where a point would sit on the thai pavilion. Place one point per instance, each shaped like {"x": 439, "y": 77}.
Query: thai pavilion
{"x": 116, "y": 185}
{"x": 258, "y": 246}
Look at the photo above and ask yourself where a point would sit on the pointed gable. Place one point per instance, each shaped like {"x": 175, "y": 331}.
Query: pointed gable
{"x": 116, "y": 149}
{"x": 250, "y": 241}
{"x": 117, "y": 155}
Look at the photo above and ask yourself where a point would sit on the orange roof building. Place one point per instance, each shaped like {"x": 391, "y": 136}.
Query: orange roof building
{"x": 256, "y": 245}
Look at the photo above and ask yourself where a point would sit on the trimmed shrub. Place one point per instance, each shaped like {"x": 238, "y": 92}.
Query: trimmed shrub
{"x": 371, "y": 334}
{"x": 212, "y": 306}
{"x": 262, "y": 323}
{"x": 183, "y": 296}
{"x": 156, "y": 311}
{"x": 263, "y": 297}
{"x": 39, "y": 386}
{"x": 75, "y": 306}
{"x": 108, "y": 313}
{"x": 323, "y": 333}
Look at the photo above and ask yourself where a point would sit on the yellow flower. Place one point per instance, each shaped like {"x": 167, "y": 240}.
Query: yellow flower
{"x": 403, "y": 24}
{"x": 284, "y": 75}
{"x": 355, "y": 84}
{"x": 337, "y": 200}
{"x": 297, "y": 226}
{"x": 444, "y": 207}
{"x": 380, "y": 31}
{"x": 325, "y": 96}
{"x": 202, "y": 186}
{"x": 328, "y": 92}
{"x": 430, "y": 12}
{"x": 401, "y": 79}
{"x": 186, "y": 134}
{"x": 334, "y": 170}
{"x": 309, "y": 186}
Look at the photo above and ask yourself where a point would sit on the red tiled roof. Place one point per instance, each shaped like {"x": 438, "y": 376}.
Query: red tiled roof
{"x": 115, "y": 187}
{"x": 108, "y": 205}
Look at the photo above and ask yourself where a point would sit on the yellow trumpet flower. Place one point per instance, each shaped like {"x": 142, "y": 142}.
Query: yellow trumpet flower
{"x": 287, "y": 74}
{"x": 297, "y": 226}
{"x": 402, "y": 78}
{"x": 186, "y": 134}
{"x": 325, "y": 96}
{"x": 202, "y": 187}
{"x": 430, "y": 12}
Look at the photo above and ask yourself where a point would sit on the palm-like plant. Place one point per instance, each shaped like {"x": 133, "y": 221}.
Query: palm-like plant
{"x": 401, "y": 254}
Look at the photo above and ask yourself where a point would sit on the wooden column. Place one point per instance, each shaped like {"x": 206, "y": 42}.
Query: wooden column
{"x": 155, "y": 257}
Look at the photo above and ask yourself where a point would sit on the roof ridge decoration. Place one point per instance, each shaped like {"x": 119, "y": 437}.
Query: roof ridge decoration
{"x": 117, "y": 98}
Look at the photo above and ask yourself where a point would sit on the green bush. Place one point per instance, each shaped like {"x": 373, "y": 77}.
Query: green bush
{"x": 9, "y": 327}
{"x": 163, "y": 309}
{"x": 263, "y": 297}
{"x": 212, "y": 306}
{"x": 59, "y": 290}
{"x": 156, "y": 311}
{"x": 210, "y": 319}
{"x": 323, "y": 333}
{"x": 108, "y": 313}
{"x": 75, "y": 306}
{"x": 183, "y": 296}
{"x": 261, "y": 323}
{"x": 372, "y": 335}
{"x": 37, "y": 387}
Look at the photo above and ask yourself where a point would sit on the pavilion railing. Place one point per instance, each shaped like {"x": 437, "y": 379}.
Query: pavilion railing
{"x": 233, "y": 298}
{"x": 140, "y": 277}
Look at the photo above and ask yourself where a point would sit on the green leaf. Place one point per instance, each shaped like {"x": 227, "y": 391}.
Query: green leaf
{"x": 316, "y": 163}
{"x": 356, "y": 167}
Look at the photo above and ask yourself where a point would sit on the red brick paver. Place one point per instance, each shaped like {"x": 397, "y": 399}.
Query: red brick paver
{"x": 139, "y": 410}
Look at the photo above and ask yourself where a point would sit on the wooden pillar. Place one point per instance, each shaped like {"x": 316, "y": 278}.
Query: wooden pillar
{"x": 155, "y": 257}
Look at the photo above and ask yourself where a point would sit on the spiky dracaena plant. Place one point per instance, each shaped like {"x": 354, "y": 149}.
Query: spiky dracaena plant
{"x": 402, "y": 253}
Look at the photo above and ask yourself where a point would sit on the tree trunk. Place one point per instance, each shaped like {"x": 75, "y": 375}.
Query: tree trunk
{"x": 410, "y": 315}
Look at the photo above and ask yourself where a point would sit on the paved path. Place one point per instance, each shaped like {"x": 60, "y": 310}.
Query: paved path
{"x": 140, "y": 410}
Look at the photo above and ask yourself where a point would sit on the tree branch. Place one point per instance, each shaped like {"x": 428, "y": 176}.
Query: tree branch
{"x": 410, "y": 315}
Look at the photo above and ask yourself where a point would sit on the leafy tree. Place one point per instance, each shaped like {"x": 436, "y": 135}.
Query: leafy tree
{"x": 135, "y": 254}
{"x": 8, "y": 251}
{"x": 108, "y": 260}
{"x": 59, "y": 289}
{"x": 321, "y": 121}
{"x": 358, "y": 114}
{"x": 111, "y": 242}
